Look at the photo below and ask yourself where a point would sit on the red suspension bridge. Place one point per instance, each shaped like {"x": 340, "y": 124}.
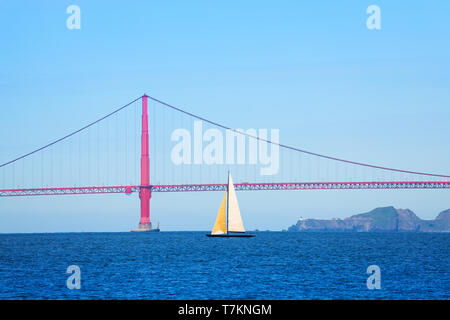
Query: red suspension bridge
{"x": 106, "y": 151}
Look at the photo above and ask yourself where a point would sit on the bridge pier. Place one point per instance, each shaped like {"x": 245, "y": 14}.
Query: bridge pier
{"x": 145, "y": 224}
{"x": 145, "y": 192}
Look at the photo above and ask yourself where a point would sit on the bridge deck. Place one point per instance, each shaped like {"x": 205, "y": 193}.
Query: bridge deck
{"x": 238, "y": 186}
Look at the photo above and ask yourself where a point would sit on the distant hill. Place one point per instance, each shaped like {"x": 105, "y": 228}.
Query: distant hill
{"x": 385, "y": 219}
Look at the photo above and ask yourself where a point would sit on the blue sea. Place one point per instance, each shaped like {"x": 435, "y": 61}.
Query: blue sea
{"x": 188, "y": 265}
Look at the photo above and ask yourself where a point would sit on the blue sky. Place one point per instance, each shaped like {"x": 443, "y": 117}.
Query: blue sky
{"x": 310, "y": 68}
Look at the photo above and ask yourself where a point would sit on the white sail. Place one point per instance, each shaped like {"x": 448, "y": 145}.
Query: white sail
{"x": 234, "y": 214}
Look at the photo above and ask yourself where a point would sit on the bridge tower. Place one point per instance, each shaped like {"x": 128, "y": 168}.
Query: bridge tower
{"x": 145, "y": 193}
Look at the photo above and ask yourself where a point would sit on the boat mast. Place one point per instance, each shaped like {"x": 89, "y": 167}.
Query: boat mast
{"x": 228, "y": 197}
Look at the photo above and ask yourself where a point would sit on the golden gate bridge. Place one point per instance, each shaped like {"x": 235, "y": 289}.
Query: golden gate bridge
{"x": 106, "y": 151}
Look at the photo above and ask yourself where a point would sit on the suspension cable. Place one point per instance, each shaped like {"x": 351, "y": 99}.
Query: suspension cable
{"x": 226, "y": 128}
{"x": 293, "y": 148}
{"x": 70, "y": 134}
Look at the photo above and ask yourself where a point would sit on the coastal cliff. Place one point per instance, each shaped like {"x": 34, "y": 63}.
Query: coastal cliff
{"x": 385, "y": 219}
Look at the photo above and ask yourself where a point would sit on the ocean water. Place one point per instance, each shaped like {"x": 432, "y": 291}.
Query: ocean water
{"x": 188, "y": 265}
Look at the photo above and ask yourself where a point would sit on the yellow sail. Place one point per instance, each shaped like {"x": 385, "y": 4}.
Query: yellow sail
{"x": 220, "y": 227}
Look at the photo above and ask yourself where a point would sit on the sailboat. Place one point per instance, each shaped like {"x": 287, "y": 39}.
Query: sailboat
{"x": 229, "y": 222}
